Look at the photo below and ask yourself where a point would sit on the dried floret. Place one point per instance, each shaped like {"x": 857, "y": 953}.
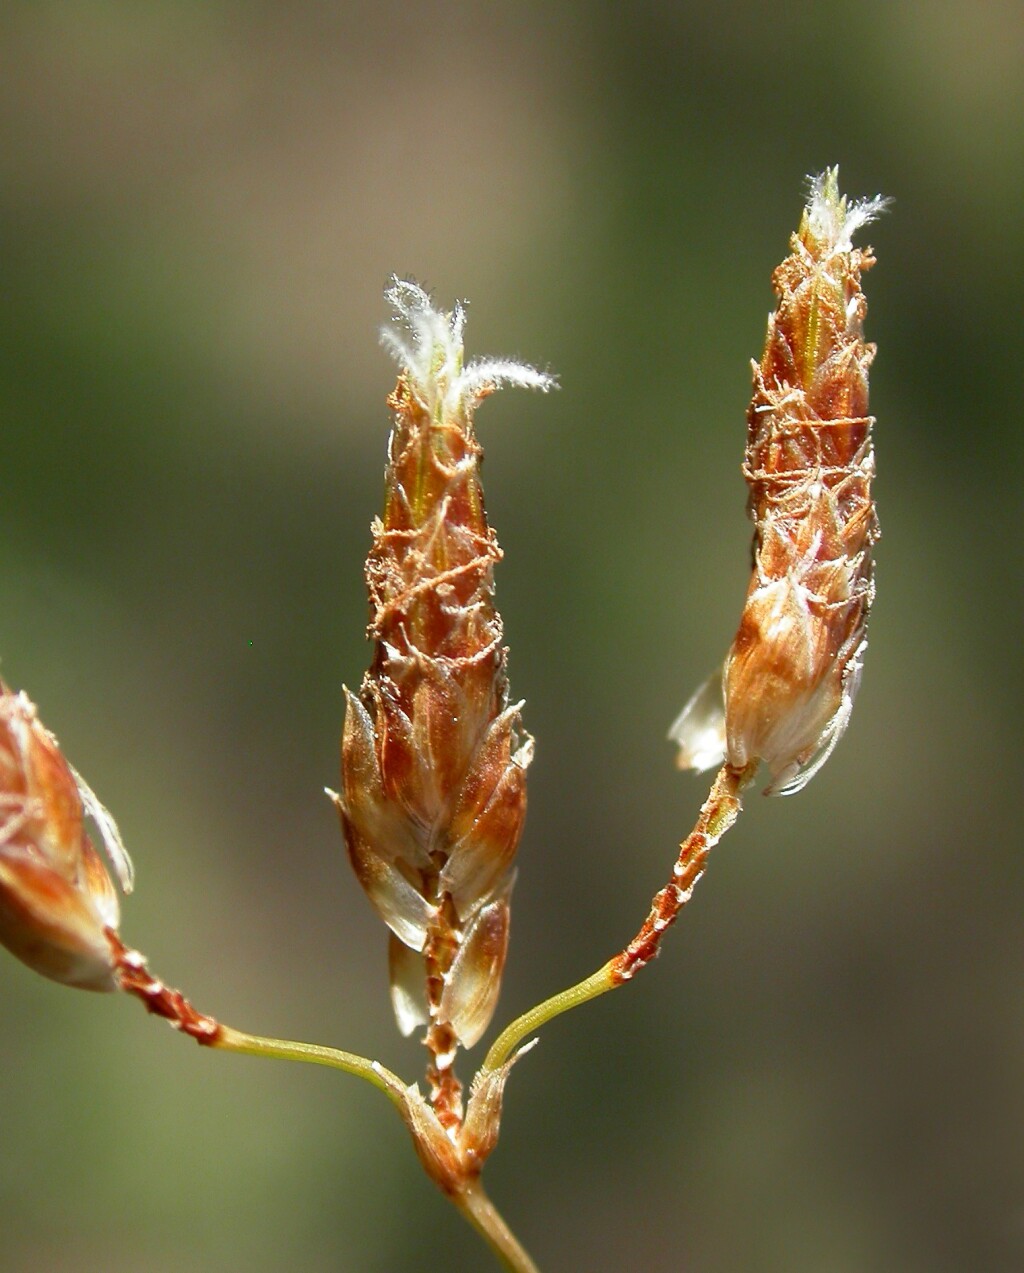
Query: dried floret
{"x": 58, "y": 905}
{"x": 786, "y": 690}
{"x": 433, "y": 756}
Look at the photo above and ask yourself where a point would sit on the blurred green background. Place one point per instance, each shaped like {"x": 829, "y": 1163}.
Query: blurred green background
{"x": 199, "y": 207}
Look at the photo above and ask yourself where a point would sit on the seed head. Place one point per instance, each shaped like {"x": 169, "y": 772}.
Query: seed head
{"x": 785, "y": 693}
{"x": 58, "y": 906}
{"x": 433, "y": 755}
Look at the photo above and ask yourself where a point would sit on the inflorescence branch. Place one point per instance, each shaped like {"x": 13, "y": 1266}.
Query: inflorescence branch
{"x": 434, "y": 755}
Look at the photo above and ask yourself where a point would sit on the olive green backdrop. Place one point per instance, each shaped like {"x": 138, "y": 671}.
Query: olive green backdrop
{"x": 199, "y": 207}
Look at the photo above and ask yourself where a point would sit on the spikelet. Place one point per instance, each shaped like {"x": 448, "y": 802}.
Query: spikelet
{"x": 433, "y": 755}
{"x": 59, "y": 910}
{"x": 786, "y": 690}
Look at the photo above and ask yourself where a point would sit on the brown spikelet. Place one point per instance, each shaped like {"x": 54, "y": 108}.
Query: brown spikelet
{"x": 433, "y": 756}
{"x": 791, "y": 675}
{"x": 57, "y": 901}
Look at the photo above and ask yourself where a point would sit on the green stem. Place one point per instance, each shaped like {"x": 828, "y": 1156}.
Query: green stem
{"x": 484, "y": 1217}
{"x": 470, "y": 1199}
{"x": 719, "y": 811}
{"x": 231, "y": 1040}
{"x": 440, "y": 1156}
{"x": 510, "y": 1038}
{"x": 134, "y": 978}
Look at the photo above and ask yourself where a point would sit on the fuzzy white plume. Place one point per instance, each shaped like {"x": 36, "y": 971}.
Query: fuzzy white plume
{"x": 830, "y": 218}
{"x": 428, "y": 344}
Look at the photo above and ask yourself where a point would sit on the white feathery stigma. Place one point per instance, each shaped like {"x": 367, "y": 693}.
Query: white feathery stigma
{"x": 830, "y": 218}
{"x": 428, "y": 345}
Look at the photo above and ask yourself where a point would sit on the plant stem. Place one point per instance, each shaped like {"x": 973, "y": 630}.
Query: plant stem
{"x": 231, "y": 1040}
{"x": 510, "y": 1038}
{"x": 719, "y": 811}
{"x": 484, "y": 1217}
{"x": 134, "y": 977}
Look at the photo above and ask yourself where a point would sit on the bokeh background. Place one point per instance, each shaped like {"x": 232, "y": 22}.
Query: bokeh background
{"x": 199, "y": 207}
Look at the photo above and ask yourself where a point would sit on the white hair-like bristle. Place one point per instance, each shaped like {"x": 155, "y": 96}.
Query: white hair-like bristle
{"x": 831, "y": 218}
{"x": 428, "y": 344}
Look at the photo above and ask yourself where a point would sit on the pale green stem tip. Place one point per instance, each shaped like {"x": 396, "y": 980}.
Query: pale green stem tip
{"x": 230, "y": 1040}
{"x": 510, "y": 1038}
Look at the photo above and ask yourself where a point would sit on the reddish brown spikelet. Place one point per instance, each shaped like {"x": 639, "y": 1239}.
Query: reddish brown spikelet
{"x": 57, "y": 901}
{"x": 433, "y": 756}
{"x": 790, "y": 678}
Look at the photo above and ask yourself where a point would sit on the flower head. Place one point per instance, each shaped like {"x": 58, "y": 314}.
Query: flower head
{"x": 785, "y": 693}
{"x": 434, "y": 756}
{"x": 57, "y": 901}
